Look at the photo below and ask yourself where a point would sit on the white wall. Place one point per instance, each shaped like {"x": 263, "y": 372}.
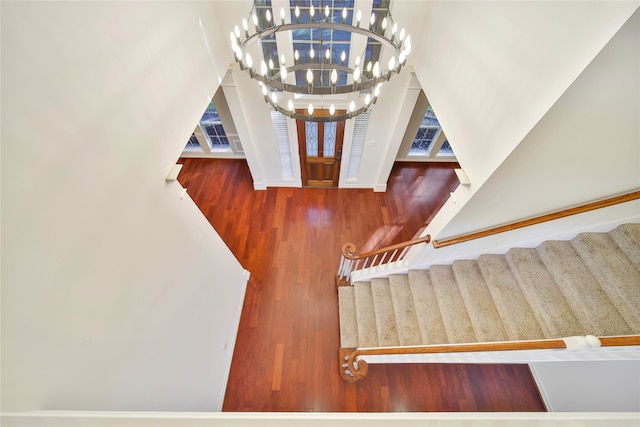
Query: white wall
{"x": 601, "y": 386}
{"x": 491, "y": 70}
{"x": 116, "y": 294}
{"x": 584, "y": 148}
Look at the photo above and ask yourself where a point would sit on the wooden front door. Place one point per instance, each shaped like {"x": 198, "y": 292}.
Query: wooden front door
{"x": 320, "y": 151}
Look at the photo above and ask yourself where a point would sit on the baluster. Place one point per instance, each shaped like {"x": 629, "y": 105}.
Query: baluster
{"x": 347, "y": 268}
{"x": 403, "y": 253}
{"x": 341, "y": 268}
{"x": 393, "y": 255}
{"x": 373, "y": 263}
{"x": 384, "y": 256}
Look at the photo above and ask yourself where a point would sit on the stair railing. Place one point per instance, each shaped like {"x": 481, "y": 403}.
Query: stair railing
{"x": 634, "y": 195}
{"x": 350, "y": 261}
{"x": 353, "y": 369}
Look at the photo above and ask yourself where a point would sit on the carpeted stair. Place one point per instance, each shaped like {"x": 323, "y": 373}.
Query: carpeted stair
{"x": 587, "y": 286}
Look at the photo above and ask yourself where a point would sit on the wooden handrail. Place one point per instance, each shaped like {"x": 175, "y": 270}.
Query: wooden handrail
{"x": 352, "y": 369}
{"x": 351, "y": 261}
{"x": 349, "y": 249}
{"x": 634, "y": 195}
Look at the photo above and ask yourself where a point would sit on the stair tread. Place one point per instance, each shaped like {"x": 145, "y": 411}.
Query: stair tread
{"x": 548, "y": 303}
{"x": 452, "y": 309}
{"x": 588, "y": 301}
{"x": 404, "y": 309}
{"x": 385, "y": 317}
{"x": 367, "y": 334}
{"x": 486, "y": 321}
{"x": 509, "y": 299}
{"x": 347, "y": 313}
{"x": 427, "y": 309}
{"x": 627, "y": 237}
{"x": 615, "y": 273}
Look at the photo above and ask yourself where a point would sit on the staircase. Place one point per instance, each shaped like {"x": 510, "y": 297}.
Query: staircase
{"x": 587, "y": 286}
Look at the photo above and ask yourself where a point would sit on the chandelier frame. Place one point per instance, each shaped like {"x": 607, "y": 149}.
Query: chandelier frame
{"x": 272, "y": 79}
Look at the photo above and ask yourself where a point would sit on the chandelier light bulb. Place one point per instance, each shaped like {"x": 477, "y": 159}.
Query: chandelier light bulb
{"x": 356, "y": 74}
{"x": 264, "y": 90}
{"x": 282, "y": 59}
{"x": 344, "y": 13}
{"x": 384, "y": 23}
{"x": 332, "y": 109}
{"x": 245, "y": 25}
{"x": 402, "y": 57}
{"x": 296, "y": 55}
{"x": 376, "y": 91}
{"x": 312, "y": 11}
{"x": 283, "y": 73}
{"x": 352, "y": 106}
{"x": 310, "y": 76}
{"x": 392, "y": 63}
{"x": 248, "y": 60}
{"x": 312, "y": 53}
{"x": 310, "y": 109}
{"x": 267, "y": 15}
{"x": 263, "y": 68}
{"x": 327, "y": 54}
{"x": 401, "y": 34}
{"x": 358, "y": 18}
{"x": 407, "y": 49}
{"x": 326, "y": 11}
{"x": 394, "y": 28}
{"x": 282, "y": 14}
{"x": 254, "y": 18}
{"x": 343, "y": 56}
{"x": 236, "y": 31}
{"x": 290, "y": 105}
{"x": 297, "y": 12}
{"x": 274, "y": 98}
{"x": 234, "y": 39}
{"x": 271, "y": 64}
{"x": 372, "y": 20}
{"x": 367, "y": 99}
{"x": 357, "y": 60}
{"x": 369, "y": 65}
{"x": 376, "y": 70}
{"x": 238, "y": 52}
{"x": 334, "y": 76}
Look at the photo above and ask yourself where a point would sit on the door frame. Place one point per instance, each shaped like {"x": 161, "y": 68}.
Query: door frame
{"x": 302, "y": 150}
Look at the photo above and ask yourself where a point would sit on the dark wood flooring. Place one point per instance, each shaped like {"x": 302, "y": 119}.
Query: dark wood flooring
{"x": 286, "y": 351}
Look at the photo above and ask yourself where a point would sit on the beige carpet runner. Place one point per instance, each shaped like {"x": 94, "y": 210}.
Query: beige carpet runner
{"x": 587, "y": 286}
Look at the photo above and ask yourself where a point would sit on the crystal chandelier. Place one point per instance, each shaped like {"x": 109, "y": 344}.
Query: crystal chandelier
{"x": 324, "y": 74}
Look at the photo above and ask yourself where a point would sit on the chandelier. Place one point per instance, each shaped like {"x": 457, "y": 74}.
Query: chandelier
{"x": 325, "y": 74}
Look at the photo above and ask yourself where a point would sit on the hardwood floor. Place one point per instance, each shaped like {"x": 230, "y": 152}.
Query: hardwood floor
{"x": 286, "y": 352}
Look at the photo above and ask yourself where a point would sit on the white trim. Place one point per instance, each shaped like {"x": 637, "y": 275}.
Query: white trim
{"x": 441, "y": 159}
{"x": 319, "y": 419}
{"x": 231, "y": 346}
{"x": 380, "y": 188}
{"x": 541, "y": 390}
{"x": 211, "y": 155}
{"x": 511, "y": 356}
{"x": 259, "y": 185}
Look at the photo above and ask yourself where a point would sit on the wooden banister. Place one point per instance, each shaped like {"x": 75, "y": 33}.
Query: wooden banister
{"x": 348, "y": 250}
{"x": 351, "y": 261}
{"x": 353, "y": 370}
{"x": 634, "y": 195}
